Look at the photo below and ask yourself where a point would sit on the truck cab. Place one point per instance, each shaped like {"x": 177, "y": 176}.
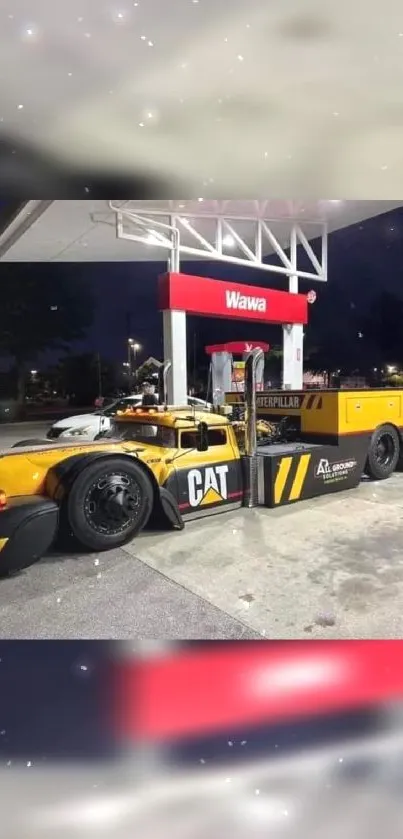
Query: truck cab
{"x": 198, "y": 453}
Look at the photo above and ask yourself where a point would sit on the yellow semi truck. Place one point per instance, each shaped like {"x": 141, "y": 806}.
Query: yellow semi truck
{"x": 173, "y": 464}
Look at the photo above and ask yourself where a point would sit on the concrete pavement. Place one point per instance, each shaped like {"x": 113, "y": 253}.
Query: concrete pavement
{"x": 112, "y": 595}
{"x": 13, "y": 432}
{"x": 331, "y": 567}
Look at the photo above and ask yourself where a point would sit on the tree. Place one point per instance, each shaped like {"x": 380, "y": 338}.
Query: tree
{"x": 40, "y": 311}
{"x": 82, "y": 377}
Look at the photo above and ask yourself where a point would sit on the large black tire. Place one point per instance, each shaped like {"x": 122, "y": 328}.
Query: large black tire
{"x": 109, "y": 502}
{"x": 31, "y": 443}
{"x": 383, "y": 453}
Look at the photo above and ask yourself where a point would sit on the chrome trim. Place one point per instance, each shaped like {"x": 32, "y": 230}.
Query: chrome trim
{"x": 260, "y": 481}
{"x": 163, "y": 382}
{"x": 202, "y": 514}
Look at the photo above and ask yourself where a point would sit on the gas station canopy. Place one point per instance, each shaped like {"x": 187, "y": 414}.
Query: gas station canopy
{"x": 231, "y": 231}
{"x": 85, "y": 231}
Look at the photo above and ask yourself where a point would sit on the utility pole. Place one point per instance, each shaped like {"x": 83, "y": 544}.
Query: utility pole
{"x": 129, "y": 359}
{"x": 194, "y": 361}
{"x": 99, "y": 367}
{"x": 128, "y": 341}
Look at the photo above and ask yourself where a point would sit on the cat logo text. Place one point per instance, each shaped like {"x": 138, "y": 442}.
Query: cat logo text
{"x": 207, "y": 486}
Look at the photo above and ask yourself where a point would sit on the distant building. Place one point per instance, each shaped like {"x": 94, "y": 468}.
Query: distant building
{"x": 314, "y": 379}
{"x": 149, "y": 369}
{"x": 353, "y": 383}
{"x": 152, "y": 362}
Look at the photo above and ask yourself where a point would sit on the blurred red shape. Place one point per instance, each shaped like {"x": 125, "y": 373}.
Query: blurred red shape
{"x": 194, "y": 693}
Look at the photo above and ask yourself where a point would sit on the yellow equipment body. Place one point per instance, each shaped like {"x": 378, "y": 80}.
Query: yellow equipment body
{"x": 328, "y": 414}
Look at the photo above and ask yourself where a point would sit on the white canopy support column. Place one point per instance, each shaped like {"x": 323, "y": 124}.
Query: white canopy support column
{"x": 293, "y": 357}
{"x": 293, "y": 335}
{"x": 175, "y": 340}
{"x": 174, "y": 327}
{"x": 221, "y": 376}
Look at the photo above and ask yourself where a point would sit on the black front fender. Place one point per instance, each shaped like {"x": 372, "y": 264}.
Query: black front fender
{"x": 166, "y": 511}
{"x": 170, "y": 508}
{"x": 61, "y": 476}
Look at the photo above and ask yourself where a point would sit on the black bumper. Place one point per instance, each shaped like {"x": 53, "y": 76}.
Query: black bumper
{"x": 28, "y": 526}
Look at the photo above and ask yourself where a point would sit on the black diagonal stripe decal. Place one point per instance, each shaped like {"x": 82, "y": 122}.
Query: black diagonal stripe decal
{"x": 289, "y": 479}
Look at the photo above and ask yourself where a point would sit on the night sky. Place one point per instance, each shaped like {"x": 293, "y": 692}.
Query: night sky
{"x": 363, "y": 259}
{"x": 53, "y": 701}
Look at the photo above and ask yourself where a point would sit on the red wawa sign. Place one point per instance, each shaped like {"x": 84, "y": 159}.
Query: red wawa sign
{"x": 216, "y": 298}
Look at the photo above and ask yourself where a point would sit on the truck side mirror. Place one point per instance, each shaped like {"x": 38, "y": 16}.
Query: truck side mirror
{"x": 202, "y": 437}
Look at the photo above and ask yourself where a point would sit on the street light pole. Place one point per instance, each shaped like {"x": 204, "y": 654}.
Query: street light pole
{"x": 136, "y": 348}
{"x": 132, "y": 349}
{"x": 129, "y": 358}
{"x": 99, "y": 370}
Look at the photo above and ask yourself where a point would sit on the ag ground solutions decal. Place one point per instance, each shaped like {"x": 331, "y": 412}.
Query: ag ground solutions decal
{"x": 336, "y": 471}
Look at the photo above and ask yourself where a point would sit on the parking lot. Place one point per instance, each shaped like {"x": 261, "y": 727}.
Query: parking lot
{"x": 327, "y": 568}
{"x": 13, "y": 432}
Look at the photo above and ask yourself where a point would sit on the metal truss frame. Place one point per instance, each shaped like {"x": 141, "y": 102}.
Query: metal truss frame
{"x": 162, "y": 229}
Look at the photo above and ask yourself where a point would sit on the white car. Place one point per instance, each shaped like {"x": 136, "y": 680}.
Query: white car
{"x": 88, "y": 426}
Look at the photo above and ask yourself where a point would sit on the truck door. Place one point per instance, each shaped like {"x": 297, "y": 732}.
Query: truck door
{"x": 208, "y": 480}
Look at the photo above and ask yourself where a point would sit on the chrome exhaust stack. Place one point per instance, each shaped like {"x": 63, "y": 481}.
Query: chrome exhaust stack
{"x": 250, "y": 461}
{"x": 253, "y": 360}
{"x": 163, "y": 382}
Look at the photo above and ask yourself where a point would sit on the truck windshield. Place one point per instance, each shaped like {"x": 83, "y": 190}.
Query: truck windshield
{"x": 141, "y": 432}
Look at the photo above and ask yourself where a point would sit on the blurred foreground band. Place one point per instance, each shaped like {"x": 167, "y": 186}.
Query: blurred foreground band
{"x": 26, "y": 171}
{"x": 215, "y": 739}
{"x": 193, "y": 691}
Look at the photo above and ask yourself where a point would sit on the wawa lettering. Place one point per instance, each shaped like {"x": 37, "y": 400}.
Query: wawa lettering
{"x": 241, "y": 302}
